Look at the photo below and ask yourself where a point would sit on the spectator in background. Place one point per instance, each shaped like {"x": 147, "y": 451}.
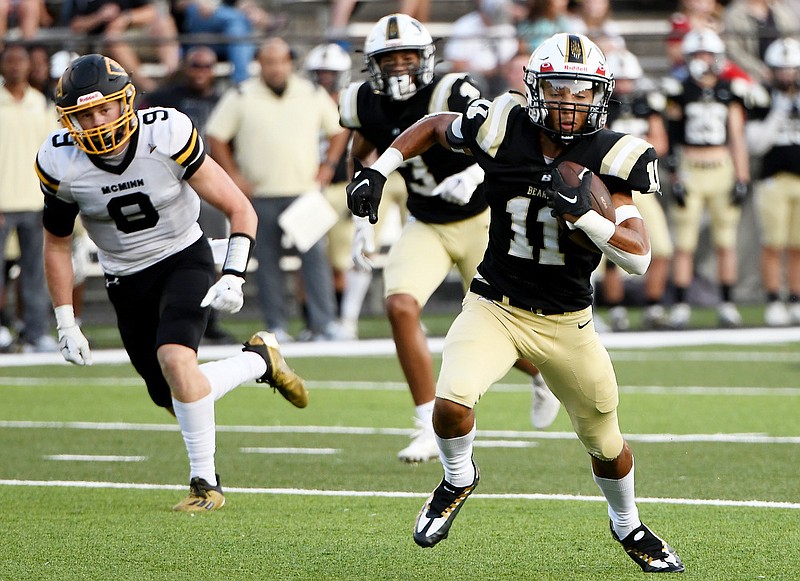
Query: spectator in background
{"x": 25, "y": 14}
{"x": 706, "y": 119}
{"x": 775, "y": 134}
{"x": 637, "y": 109}
{"x": 482, "y": 42}
{"x": 750, "y": 27}
{"x": 265, "y": 134}
{"x": 217, "y": 17}
{"x": 26, "y": 119}
{"x": 593, "y": 19}
{"x": 691, "y": 14}
{"x": 116, "y": 21}
{"x": 544, "y": 19}
{"x": 194, "y": 93}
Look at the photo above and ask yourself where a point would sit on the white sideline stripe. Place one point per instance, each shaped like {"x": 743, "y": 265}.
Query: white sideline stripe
{"x": 397, "y": 494}
{"x": 345, "y": 430}
{"x": 401, "y": 386}
{"x": 503, "y": 444}
{"x": 91, "y": 458}
{"x": 310, "y": 451}
{"x": 366, "y": 347}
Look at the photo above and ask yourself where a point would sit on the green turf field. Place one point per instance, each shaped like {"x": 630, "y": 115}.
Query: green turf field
{"x": 90, "y": 469}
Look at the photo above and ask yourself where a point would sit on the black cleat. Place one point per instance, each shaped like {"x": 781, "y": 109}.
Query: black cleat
{"x": 649, "y": 551}
{"x": 440, "y": 510}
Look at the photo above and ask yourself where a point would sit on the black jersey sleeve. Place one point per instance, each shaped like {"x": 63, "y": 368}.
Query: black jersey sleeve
{"x": 59, "y": 216}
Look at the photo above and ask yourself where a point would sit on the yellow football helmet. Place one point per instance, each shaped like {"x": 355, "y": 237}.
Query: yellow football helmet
{"x": 89, "y": 81}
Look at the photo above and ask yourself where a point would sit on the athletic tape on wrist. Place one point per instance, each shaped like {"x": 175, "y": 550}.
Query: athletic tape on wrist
{"x": 65, "y": 316}
{"x": 625, "y": 212}
{"x": 389, "y": 161}
{"x": 239, "y": 248}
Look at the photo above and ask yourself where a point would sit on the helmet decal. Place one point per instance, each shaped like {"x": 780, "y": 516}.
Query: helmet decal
{"x": 575, "y": 50}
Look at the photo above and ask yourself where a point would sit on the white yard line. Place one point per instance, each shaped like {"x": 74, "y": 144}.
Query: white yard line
{"x": 370, "y": 431}
{"x": 367, "y": 347}
{"x": 397, "y": 494}
{"x": 94, "y": 458}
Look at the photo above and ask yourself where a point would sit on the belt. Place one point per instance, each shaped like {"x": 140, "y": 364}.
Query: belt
{"x": 705, "y": 164}
{"x": 487, "y": 291}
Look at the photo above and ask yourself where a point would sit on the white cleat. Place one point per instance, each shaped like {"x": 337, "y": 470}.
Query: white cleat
{"x": 680, "y": 315}
{"x": 545, "y": 406}
{"x": 728, "y": 316}
{"x": 777, "y": 315}
{"x": 423, "y": 444}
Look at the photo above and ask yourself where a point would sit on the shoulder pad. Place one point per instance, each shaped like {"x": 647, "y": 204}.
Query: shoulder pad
{"x": 348, "y": 106}
{"x": 173, "y": 133}
{"x": 656, "y": 101}
{"x": 671, "y": 86}
{"x": 53, "y": 159}
{"x": 444, "y": 90}
{"x": 623, "y": 155}
{"x": 493, "y": 130}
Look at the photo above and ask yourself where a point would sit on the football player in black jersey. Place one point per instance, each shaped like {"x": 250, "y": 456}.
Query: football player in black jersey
{"x": 136, "y": 179}
{"x": 775, "y": 134}
{"x": 445, "y": 198}
{"x": 705, "y": 118}
{"x": 532, "y": 296}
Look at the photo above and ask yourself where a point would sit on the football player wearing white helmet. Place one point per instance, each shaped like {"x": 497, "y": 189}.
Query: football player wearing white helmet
{"x": 709, "y": 169}
{"x": 136, "y": 179}
{"x": 774, "y": 133}
{"x": 445, "y": 197}
{"x": 638, "y": 110}
{"x": 532, "y": 296}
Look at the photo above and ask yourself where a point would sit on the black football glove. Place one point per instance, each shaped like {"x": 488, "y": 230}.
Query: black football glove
{"x": 679, "y": 193}
{"x": 739, "y": 193}
{"x": 364, "y": 193}
{"x": 565, "y": 199}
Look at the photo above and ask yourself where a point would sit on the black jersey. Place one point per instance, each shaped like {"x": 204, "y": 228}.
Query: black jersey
{"x": 703, "y": 112}
{"x": 380, "y": 120}
{"x": 785, "y": 151}
{"x": 527, "y": 258}
{"x": 631, "y": 113}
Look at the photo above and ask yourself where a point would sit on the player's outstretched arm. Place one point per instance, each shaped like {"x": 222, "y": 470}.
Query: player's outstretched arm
{"x": 365, "y": 191}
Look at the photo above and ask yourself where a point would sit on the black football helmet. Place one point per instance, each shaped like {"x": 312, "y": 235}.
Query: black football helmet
{"x": 89, "y": 81}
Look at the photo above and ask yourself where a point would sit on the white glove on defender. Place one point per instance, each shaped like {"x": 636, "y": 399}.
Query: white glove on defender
{"x": 73, "y": 345}
{"x": 363, "y": 244}
{"x": 458, "y": 188}
{"x": 226, "y": 294}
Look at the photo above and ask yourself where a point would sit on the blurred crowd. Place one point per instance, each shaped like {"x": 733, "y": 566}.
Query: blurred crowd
{"x": 724, "y": 119}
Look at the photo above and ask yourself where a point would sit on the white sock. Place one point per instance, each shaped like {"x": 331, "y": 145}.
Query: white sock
{"x": 227, "y": 374}
{"x": 538, "y": 380}
{"x": 621, "y": 503}
{"x": 425, "y": 413}
{"x": 456, "y": 457}
{"x": 356, "y": 286}
{"x": 196, "y": 420}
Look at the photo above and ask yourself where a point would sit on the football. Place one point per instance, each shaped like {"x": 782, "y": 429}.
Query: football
{"x": 600, "y": 198}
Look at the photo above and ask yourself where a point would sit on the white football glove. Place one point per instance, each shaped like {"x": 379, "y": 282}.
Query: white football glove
{"x": 71, "y": 342}
{"x": 458, "y": 188}
{"x": 226, "y": 294}
{"x": 363, "y": 244}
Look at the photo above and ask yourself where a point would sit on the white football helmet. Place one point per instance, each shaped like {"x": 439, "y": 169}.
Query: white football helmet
{"x": 623, "y": 64}
{"x": 783, "y": 53}
{"x": 329, "y": 57}
{"x": 568, "y": 61}
{"x": 399, "y": 32}
{"x": 703, "y": 40}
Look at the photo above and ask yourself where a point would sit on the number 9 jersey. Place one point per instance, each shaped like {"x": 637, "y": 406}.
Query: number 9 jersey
{"x": 137, "y": 206}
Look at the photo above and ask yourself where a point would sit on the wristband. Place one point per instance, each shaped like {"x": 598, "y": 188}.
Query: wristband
{"x": 65, "y": 316}
{"x": 239, "y": 248}
{"x": 625, "y": 212}
{"x": 598, "y": 229}
{"x": 389, "y": 161}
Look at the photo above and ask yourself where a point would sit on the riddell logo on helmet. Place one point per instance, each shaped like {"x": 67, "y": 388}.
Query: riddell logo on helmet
{"x": 574, "y": 67}
{"x": 90, "y": 97}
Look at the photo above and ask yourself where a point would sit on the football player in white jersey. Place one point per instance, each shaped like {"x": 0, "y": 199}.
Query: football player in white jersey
{"x": 532, "y": 296}
{"x": 136, "y": 179}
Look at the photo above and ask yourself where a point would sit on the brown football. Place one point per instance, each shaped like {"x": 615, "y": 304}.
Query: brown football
{"x": 600, "y": 197}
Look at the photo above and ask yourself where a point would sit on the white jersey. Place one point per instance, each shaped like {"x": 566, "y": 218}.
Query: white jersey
{"x": 139, "y": 211}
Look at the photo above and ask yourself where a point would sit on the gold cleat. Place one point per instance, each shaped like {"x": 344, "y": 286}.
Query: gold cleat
{"x": 202, "y": 497}
{"x": 279, "y": 375}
